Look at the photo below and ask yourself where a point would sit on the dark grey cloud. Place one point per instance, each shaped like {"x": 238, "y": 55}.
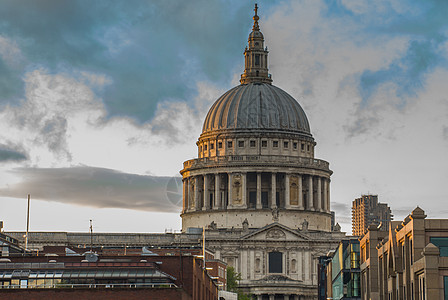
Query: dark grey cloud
{"x": 8, "y": 153}
{"x": 98, "y": 187}
{"x": 151, "y": 50}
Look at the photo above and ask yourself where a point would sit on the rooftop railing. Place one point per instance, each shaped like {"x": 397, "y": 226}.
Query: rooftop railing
{"x": 230, "y": 160}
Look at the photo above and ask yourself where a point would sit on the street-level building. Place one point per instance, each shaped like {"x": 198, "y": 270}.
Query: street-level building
{"x": 410, "y": 262}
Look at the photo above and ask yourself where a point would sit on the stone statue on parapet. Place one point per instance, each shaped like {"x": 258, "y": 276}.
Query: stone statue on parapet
{"x": 305, "y": 225}
{"x": 275, "y": 214}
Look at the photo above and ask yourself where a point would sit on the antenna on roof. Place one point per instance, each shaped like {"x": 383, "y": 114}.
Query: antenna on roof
{"x": 27, "y": 223}
{"x": 91, "y": 236}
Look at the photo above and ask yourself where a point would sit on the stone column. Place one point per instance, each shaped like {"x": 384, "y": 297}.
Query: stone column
{"x": 271, "y": 297}
{"x": 273, "y": 190}
{"x": 184, "y": 195}
{"x": 300, "y": 192}
{"x": 328, "y": 195}
{"x": 217, "y": 192}
{"x": 259, "y": 297}
{"x": 285, "y": 297}
{"x": 229, "y": 205}
{"x": 206, "y": 196}
{"x": 258, "y": 190}
{"x": 310, "y": 193}
{"x": 244, "y": 191}
{"x": 197, "y": 199}
{"x": 319, "y": 194}
{"x": 191, "y": 200}
{"x": 287, "y": 192}
{"x": 325, "y": 194}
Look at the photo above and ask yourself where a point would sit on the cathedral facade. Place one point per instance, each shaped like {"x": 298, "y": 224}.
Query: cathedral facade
{"x": 256, "y": 187}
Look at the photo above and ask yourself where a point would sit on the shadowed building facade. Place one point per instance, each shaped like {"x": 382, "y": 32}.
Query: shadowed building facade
{"x": 257, "y": 187}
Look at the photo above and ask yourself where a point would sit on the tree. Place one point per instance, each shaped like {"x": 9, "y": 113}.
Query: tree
{"x": 233, "y": 279}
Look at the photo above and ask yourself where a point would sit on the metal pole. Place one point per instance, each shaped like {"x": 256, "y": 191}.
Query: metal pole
{"x": 91, "y": 236}
{"x": 27, "y": 223}
{"x": 203, "y": 245}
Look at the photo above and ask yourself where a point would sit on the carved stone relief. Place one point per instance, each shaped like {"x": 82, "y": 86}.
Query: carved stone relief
{"x": 275, "y": 234}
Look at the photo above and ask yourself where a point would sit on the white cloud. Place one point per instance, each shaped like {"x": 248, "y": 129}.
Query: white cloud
{"x": 389, "y": 146}
{"x": 10, "y": 52}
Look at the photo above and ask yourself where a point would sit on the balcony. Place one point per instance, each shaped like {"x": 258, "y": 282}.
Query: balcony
{"x": 248, "y": 160}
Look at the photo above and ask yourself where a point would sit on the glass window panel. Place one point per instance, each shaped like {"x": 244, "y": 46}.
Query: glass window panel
{"x": 442, "y": 244}
{"x": 91, "y": 274}
{"x": 99, "y": 274}
{"x": 275, "y": 262}
{"x": 108, "y": 273}
{"x": 132, "y": 273}
{"x": 83, "y": 274}
{"x": 75, "y": 274}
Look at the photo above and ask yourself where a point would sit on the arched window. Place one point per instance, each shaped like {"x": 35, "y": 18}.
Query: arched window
{"x": 275, "y": 262}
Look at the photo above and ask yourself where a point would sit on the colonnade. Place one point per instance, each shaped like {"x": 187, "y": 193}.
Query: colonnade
{"x": 256, "y": 190}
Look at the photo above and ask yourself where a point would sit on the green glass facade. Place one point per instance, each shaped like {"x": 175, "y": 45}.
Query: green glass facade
{"x": 345, "y": 271}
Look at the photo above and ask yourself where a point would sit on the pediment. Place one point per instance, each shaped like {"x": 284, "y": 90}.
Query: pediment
{"x": 275, "y": 232}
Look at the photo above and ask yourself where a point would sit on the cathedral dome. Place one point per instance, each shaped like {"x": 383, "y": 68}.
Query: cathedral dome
{"x": 257, "y": 106}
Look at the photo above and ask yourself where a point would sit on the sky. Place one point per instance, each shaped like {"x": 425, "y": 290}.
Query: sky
{"x": 102, "y": 101}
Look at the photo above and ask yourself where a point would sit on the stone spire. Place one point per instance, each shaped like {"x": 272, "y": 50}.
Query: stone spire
{"x": 256, "y": 56}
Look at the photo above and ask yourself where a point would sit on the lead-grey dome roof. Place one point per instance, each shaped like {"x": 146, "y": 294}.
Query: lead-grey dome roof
{"x": 259, "y": 106}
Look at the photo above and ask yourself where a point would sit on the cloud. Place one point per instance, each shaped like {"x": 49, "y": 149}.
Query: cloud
{"x": 152, "y": 51}
{"x": 98, "y": 187}
{"x": 10, "y": 154}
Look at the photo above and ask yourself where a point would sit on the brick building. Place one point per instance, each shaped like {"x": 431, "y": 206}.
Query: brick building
{"x": 93, "y": 276}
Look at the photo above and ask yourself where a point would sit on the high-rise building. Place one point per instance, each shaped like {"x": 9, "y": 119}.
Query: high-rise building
{"x": 367, "y": 211}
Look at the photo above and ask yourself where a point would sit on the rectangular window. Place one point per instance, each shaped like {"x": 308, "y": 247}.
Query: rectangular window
{"x": 229, "y": 144}
{"x": 264, "y": 144}
{"x": 302, "y": 146}
{"x": 219, "y": 145}
{"x": 308, "y": 148}
{"x": 275, "y": 144}
{"x": 275, "y": 262}
{"x": 285, "y": 144}
{"x": 294, "y": 145}
{"x": 212, "y": 146}
{"x": 442, "y": 244}
{"x": 252, "y": 144}
{"x": 205, "y": 147}
{"x": 257, "y": 59}
{"x": 241, "y": 144}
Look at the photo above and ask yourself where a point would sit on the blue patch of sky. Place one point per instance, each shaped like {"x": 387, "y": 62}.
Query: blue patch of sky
{"x": 426, "y": 31}
{"x": 151, "y": 50}
{"x": 422, "y": 23}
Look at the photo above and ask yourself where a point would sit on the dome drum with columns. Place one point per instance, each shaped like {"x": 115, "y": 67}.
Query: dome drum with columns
{"x": 256, "y": 162}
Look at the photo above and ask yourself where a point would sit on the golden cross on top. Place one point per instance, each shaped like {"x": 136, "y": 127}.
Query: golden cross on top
{"x": 256, "y": 8}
